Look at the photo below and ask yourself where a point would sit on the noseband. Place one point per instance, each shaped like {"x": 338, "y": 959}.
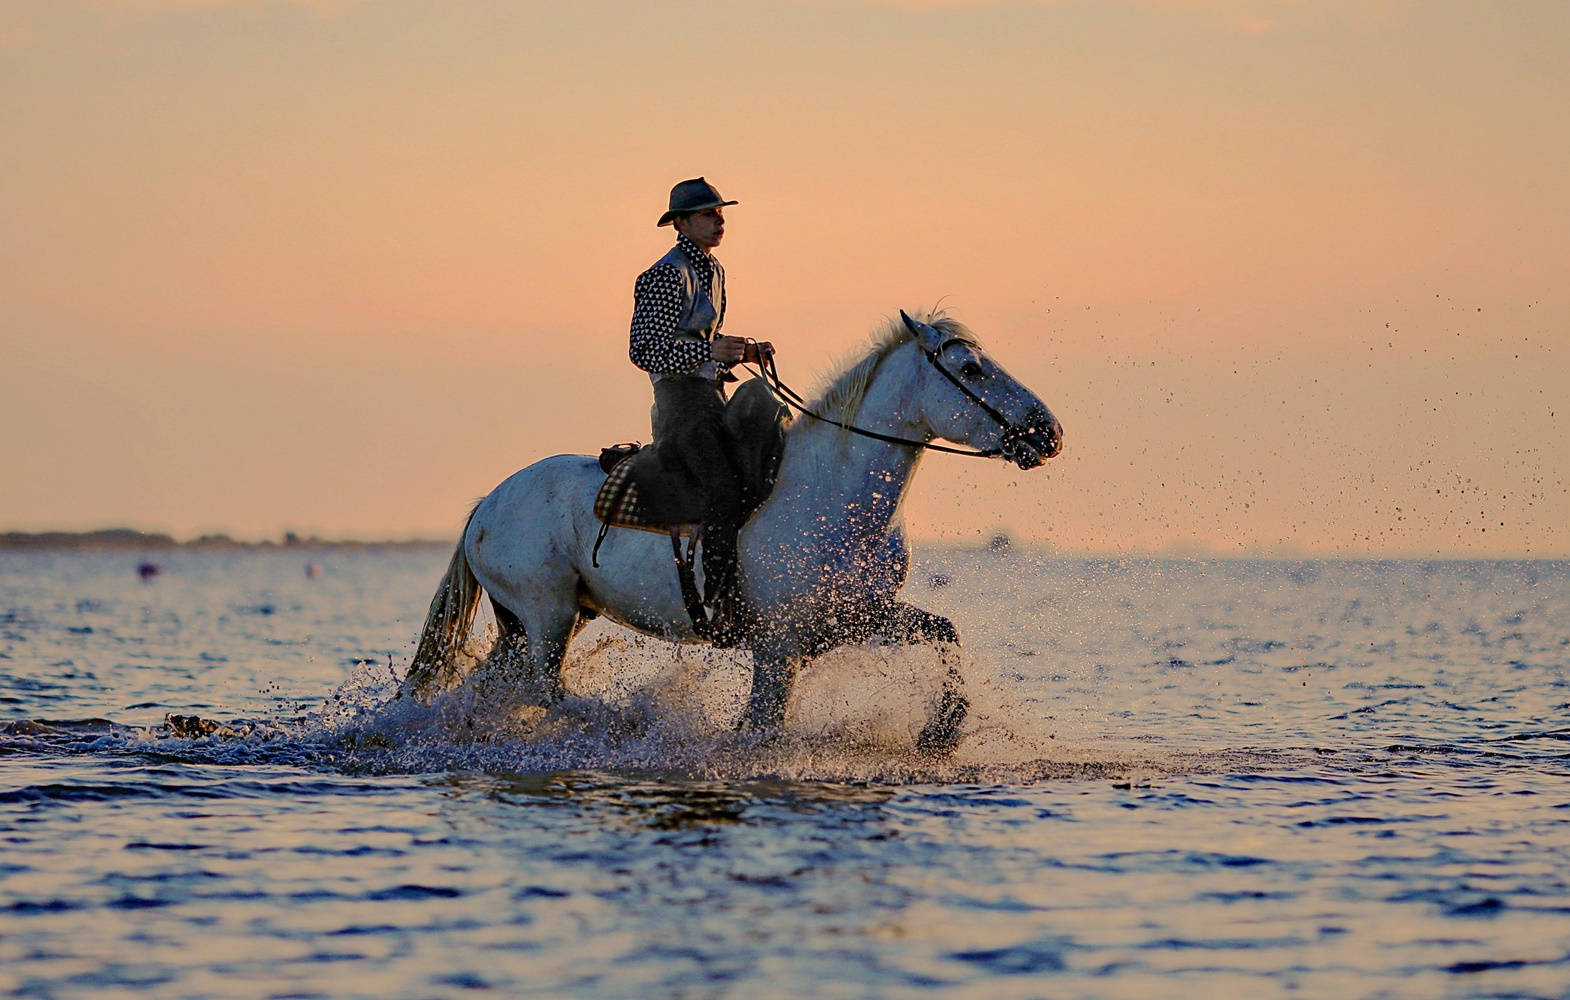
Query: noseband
{"x": 1012, "y": 433}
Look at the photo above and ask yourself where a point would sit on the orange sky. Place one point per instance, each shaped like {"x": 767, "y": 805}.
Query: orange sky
{"x": 1293, "y": 275}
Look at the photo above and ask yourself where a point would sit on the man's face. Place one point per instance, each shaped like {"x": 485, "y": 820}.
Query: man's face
{"x": 705, "y": 228}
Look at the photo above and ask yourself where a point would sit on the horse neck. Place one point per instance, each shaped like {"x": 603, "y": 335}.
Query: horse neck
{"x": 847, "y": 482}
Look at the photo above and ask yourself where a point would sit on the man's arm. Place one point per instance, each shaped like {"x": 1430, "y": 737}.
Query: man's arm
{"x": 652, "y": 344}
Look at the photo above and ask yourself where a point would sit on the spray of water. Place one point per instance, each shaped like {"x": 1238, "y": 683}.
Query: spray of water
{"x": 643, "y": 706}
{"x": 640, "y": 705}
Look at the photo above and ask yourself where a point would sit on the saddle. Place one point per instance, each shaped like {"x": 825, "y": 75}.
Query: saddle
{"x": 644, "y": 492}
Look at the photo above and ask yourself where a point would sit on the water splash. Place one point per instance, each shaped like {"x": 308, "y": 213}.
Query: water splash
{"x": 643, "y": 706}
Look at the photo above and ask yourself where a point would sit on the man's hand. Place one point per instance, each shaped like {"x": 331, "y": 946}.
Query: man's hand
{"x": 733, "y": 350}
{"x": 727, "y": 350}
{"x": 758, "y": 351}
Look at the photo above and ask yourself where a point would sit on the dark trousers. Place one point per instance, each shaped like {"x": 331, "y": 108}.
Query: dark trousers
{"x": 689, "y": 430}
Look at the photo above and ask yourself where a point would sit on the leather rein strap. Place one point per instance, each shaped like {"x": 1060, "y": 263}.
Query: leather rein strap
{"x": 771, "y": 375}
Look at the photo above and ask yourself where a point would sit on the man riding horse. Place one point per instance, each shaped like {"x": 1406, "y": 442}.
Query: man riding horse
{"x": 678, "y": 310}
{"x": 824, "y": 556}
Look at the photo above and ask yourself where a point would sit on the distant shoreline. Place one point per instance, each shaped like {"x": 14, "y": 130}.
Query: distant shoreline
{"x": 130, "y": 540}
{"x": 119, "y": 539}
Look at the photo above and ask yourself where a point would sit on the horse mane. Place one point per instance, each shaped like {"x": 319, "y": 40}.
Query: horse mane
{"x": 845, "y": 386}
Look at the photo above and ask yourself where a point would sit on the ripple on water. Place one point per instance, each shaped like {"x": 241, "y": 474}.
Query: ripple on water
{"x": 1176, "y": 779}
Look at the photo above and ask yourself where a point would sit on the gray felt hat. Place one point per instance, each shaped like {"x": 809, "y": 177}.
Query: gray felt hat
{"x": 692, "y": 196}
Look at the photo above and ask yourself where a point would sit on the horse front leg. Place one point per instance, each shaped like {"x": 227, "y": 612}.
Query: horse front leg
{"x": 908, "y": 624}
{"x": 773, "y": 675}
{"x": 774, "y": 667}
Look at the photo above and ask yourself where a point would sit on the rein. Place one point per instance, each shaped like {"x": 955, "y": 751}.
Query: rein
{"x": 771, "y": 376}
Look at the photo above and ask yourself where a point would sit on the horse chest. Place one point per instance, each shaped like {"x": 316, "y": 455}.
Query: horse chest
{"x": 871, "y": 572}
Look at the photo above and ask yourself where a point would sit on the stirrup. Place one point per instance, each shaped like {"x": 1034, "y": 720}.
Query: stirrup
{"x": 686, "y": 578}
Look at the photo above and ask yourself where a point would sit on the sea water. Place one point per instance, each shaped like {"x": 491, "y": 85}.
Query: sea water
{"x": 1178, "y": 778}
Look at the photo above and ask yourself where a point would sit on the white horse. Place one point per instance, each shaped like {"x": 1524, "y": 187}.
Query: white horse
{"x": 821, "y": 561}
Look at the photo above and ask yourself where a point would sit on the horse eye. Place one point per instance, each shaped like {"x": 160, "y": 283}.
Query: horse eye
{"x": 970, "y": 370}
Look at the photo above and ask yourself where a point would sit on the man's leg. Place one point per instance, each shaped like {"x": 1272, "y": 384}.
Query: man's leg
{"x": 721, "y": 525}
{"x": 706, "y": 450}
{"x": 692, "y": 419}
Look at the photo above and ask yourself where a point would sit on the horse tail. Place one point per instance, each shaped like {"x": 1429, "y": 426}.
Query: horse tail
{"x": 447, "y": 625}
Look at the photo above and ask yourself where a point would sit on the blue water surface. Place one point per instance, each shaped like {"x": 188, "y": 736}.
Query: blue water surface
{"x": 1179, "y": 778}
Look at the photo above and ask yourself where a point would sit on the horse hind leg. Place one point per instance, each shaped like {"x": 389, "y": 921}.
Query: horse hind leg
{"x": 509, "y": 656}
{"x": 530, "y": 648}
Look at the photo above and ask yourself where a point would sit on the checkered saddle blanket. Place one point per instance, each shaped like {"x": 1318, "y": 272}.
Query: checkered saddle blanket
{"x": 617, "y": 505}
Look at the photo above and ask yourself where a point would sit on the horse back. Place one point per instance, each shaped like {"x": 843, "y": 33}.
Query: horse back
{"x": 550, "y": 499}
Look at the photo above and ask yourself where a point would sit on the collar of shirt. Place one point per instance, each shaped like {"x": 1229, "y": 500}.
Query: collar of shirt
{"x": 699, "y": 257}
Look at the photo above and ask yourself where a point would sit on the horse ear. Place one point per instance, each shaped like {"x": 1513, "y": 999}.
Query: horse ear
{"x": 928, "y": 337}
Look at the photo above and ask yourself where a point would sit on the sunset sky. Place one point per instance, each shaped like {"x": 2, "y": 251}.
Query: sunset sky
{"x": 1294, "y": 275}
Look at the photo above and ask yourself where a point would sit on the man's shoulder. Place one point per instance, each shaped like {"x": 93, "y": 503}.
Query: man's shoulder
{"x": 659, "y": 272}
{"x": 664, "y": 270}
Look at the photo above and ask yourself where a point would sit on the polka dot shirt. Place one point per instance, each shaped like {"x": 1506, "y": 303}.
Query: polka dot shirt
{"x": 657, "y": 308}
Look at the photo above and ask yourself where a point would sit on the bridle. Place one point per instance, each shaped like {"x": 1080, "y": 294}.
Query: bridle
{"x": 1012, "y": 432}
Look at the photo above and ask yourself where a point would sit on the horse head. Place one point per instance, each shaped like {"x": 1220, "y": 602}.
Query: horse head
{"x": 969, "y": 398}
